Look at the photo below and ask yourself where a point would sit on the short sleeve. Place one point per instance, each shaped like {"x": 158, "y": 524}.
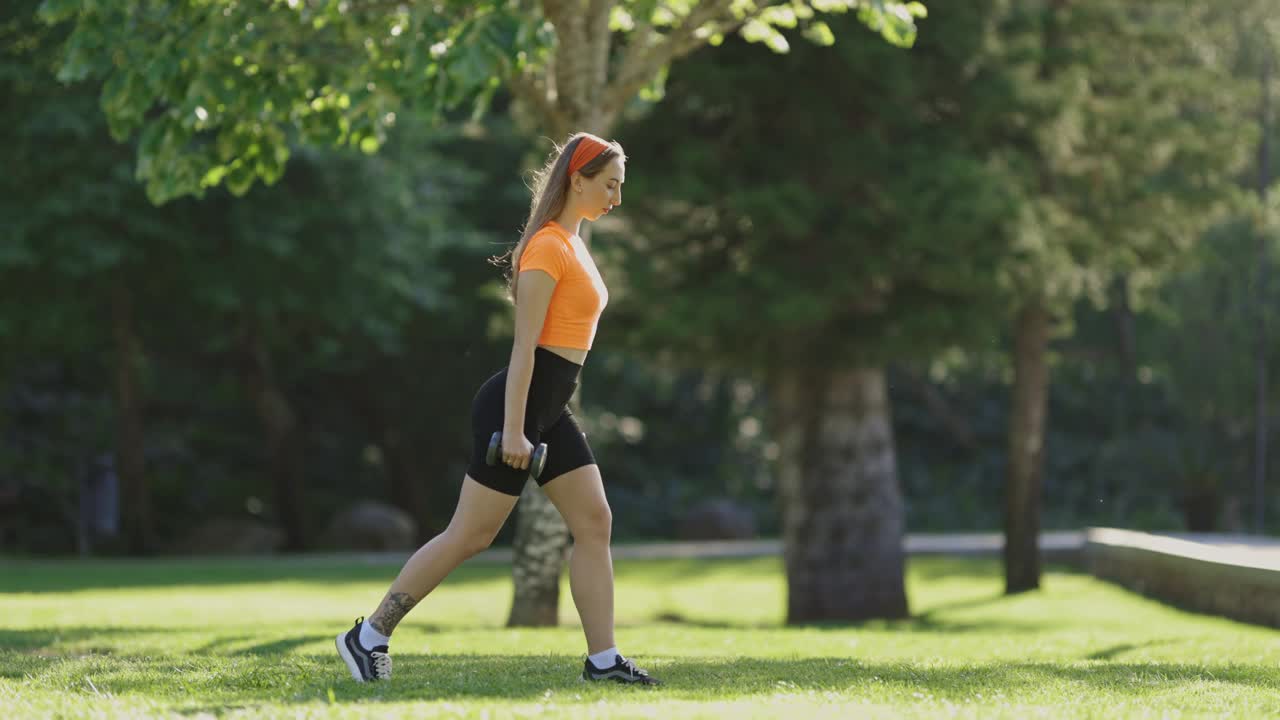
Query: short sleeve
{"x": 545, "y": 252}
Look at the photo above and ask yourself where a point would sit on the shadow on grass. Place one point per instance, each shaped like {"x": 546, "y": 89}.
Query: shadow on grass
{"x": 932, "y": 620}
{"x": 678, "y": 570}
{"x": 936, "y": 567}
{"x": 277, "y": 646}
{"x": 41, "y": 641}
{"x": 80, "y": 641}
{"x": 69, "y": 575}
{"x": 216, "y": 685}
{"x": 60, "y": 576}
{"x": 283, "y": 646}
{"x": 1112, "y": 652}
{"x": 965, "y": 604}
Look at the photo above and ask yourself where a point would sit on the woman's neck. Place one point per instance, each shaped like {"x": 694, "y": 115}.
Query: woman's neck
{"x": 570, "y": 221}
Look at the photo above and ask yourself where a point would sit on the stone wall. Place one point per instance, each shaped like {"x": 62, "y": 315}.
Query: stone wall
{"x": 1229, "y": 579}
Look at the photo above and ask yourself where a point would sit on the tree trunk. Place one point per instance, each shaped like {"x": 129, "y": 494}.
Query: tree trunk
{"x": 281, "y": 427}
{"x": 1261, "y": 340}
{"x": 135, "y": 500}
{"x": 404, "y": 471}
{"x": 581, "y": 91}
{"x": 1029, "y": 405}
{"x": 1026, "y": 445}
{"x": 402, "y": 454}
{"x": 541, "y": 541}
{"x": 955, "y": 423}
{"x": 542, "y": 538}
{"x": 1126, "y": 333}
{"x": 842, "y": 516}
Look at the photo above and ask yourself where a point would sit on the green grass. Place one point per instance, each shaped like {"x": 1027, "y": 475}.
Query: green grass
{"x": 254, "y": 638}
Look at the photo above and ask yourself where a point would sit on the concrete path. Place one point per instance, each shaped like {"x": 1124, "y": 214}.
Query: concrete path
{"x": 1051, "y": 543}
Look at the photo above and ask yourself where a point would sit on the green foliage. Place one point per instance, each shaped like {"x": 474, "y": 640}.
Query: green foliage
{"x": 800, "y": 223}
{"x": 1122, "y": 152}
{"x": 218, "y": 91}
{"x": 74, "y": 222}
{"x": 850, "y": 203}
{"x": 350, "y": 270}
{"x": 1209, "y": 315}
{"x": 669, "y": 438}
{"x": 1016, "y": 148}
{"x": 222, "y": 91}
{"x": 1114, "y": 448}
{"x": 990, "y": 160}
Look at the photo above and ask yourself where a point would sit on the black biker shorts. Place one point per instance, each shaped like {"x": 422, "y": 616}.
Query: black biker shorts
{"x": 547, "y": 419}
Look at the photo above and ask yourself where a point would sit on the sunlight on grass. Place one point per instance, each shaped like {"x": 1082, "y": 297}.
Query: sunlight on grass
{"x": 254, "y": 638}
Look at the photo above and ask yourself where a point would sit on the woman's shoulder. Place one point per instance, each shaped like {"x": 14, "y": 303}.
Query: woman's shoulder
{"x": 546, "y": 249}
{"x": 550, "y": 233}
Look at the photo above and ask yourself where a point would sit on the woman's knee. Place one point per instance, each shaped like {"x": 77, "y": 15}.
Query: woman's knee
{"x": 471, "y": 541}
{"x": 594, "y": 525}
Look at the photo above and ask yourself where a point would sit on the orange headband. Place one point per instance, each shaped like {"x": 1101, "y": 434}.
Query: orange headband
{"x": 589, "y": 147}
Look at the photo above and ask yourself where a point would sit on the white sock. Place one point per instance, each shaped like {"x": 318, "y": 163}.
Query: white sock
{"x": 605, "y": 658}
{"x": 370, "y": 638}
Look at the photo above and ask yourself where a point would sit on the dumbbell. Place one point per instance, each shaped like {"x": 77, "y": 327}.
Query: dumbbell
{"x": 536, "y": 462}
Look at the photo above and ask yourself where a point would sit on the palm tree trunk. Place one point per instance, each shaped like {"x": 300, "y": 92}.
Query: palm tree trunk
{"x": 842, "y": 514}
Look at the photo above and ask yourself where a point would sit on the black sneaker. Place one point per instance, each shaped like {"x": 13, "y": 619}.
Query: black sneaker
{"x": 364, "y": 664}
{"x": 623, "y": 671}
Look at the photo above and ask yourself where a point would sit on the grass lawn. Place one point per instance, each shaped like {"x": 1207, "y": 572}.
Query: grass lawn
{"x": 254, "y": 639}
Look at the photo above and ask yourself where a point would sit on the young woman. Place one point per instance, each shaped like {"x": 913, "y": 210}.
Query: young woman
{"x": 558, "y": 296}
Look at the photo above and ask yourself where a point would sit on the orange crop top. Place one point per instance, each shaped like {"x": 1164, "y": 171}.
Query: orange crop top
{"x": 580, "y": 294}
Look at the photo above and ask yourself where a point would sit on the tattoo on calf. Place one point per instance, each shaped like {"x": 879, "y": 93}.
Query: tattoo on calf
{"x": 392, "y": 610}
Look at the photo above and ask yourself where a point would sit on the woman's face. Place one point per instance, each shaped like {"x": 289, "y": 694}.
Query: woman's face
{"x": 602, "y": 193}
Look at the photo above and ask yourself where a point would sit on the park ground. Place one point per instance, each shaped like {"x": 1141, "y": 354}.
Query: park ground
{"x": 253, "y": 638}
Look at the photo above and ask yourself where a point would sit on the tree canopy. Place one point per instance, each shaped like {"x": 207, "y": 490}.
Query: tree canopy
{"x": 222, "y": 91}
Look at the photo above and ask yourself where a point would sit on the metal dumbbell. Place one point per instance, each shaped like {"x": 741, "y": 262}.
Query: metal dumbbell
{"x": 536, "y": 462}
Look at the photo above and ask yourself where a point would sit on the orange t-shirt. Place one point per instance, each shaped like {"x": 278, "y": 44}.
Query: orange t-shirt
{"x": 580, "y": 294}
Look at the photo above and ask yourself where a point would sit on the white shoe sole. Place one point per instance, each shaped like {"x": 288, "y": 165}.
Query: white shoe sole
{"x": 345, "y": 654}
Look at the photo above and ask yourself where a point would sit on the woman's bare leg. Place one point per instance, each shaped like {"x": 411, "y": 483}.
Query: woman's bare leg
{"x": 476, "y": 521}
{"x": 579, "y": 496}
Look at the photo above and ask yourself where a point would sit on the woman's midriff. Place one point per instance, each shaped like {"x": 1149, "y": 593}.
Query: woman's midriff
{"x": 573, "y": 355}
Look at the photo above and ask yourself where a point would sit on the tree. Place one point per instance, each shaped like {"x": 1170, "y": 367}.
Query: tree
{"x": 224, "y": 91}
{"x": 809, "y": 234}
{"x": 1210, "y": 315}
{"x": 328, "y": 268}
{"x": 1121, "y": 164}
{"x": 91, "y": 267}
{"x": 221, "y": 92}
{"x": 69, "y": 256}
{"x": 1259, "y": 34}
{"x": 965, "y": 188}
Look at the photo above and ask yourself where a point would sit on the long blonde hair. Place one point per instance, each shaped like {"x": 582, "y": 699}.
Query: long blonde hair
{"x": 550, "y": 190}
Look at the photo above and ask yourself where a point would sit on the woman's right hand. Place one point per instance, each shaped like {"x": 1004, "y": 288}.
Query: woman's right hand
{"x": 516, "y": 450}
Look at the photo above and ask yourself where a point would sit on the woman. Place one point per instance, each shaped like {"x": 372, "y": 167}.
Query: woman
{"x": 558, "y": 296}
